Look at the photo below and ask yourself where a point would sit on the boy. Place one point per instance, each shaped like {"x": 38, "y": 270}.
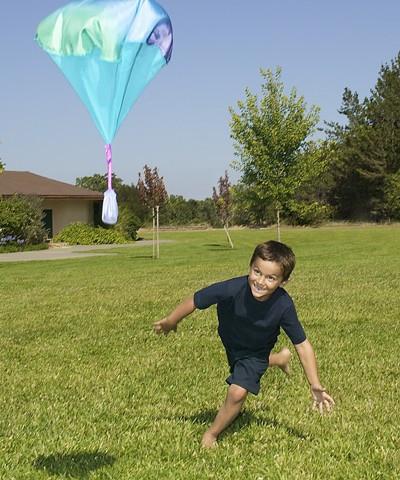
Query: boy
{"x": 251, "y": 309}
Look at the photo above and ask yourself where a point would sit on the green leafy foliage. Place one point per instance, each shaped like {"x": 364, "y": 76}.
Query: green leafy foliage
{"x": 21, "y": 221}
{"x": 179, "y": 211}
{"x": 306, "y": 213}
{"x": 247, "y": 208}
{"x": 392, "y": 196}
{"x": 98, "y": 182}
{"x": 128, "y": 197}
{"x": 128, "y": 223}
{"x": 272, "y": 141}
{"x": 83, "y": 234}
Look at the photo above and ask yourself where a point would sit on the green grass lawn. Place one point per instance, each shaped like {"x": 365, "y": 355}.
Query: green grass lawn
{"x": 89, "y": 392}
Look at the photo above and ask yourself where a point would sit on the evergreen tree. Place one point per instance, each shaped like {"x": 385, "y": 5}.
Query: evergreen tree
{"x": 366, "y": 158}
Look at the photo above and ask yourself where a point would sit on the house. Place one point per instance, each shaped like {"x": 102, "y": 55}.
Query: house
{"x": 62, "y": 203}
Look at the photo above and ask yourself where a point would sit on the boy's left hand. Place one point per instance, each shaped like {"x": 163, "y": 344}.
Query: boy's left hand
{"x": 321, "y": 399}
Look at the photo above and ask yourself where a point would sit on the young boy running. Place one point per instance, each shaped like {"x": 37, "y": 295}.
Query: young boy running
{"x": 251, "y": 310}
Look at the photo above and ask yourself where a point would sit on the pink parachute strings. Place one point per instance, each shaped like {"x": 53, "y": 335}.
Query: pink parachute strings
{"x": 109, "y": 164}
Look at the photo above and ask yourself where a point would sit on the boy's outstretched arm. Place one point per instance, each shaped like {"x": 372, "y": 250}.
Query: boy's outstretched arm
{"x": 171, "y": 321}
{"x": 306, "y": 355}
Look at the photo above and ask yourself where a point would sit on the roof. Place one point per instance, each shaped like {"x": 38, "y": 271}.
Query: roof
{"x": 27, "y": 183}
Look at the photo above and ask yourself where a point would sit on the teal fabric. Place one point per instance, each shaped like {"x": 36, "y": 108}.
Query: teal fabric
{"x": 109, "y": 89}
{"x": 109, "y": 50}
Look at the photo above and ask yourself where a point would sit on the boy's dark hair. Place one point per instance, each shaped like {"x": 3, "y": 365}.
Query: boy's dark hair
{"x": 276, "y": 252}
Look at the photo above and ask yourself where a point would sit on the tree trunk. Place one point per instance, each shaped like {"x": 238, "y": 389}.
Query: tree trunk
{"x": 278, "y": 223}
{"x": 158, "y": 231}
{"x": 154, "y": 244}
{"x": 227, "y": 234}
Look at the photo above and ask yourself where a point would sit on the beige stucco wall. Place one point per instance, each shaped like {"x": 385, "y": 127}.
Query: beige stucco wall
{"x": 69, "y": 211}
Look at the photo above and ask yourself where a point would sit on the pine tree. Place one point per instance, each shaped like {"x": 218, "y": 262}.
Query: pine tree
{"x": 367, "y": 153}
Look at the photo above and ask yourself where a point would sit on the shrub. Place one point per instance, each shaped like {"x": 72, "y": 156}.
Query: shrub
{"x": 83, "y": 234}
{"x": 128, "y": 223}
{"x": 21, "y": 221}
{"x": 303, "y": 213}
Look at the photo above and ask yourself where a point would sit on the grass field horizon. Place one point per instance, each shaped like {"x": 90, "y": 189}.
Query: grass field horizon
{"x": 89, "y": 392}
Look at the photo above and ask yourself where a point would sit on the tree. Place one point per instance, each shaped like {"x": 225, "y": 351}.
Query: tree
{"x": 98, "y": 182}
{"x": 392, "y": 196}
{"x": 128, "y": 197}
{"x": 356, "y": 169}
{"x": 21, "y": 220}
{"x": 179, "y": 211}
{"x": 383, "y": 113}
{"x": 206, "y": 212}
{"x": 247, "y": 208}
{"x": 152, "y": 191}
{"x": 367, "y": 153}
{"x": 223, "y": 203}
{"x": 272, "y": 142}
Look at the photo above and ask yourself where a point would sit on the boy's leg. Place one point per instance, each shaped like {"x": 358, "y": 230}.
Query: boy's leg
{"x": 234, "y": 401}
{"x": 281, "y": 359}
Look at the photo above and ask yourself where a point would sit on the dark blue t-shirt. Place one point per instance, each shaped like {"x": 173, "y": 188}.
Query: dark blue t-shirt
{"x": 249, "y": 327}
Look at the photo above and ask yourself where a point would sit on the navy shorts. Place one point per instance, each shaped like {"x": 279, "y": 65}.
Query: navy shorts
{"x": 247, "y": 373}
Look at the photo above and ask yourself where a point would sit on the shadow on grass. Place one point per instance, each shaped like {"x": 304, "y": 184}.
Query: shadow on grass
{"x": 73, "y": 465}
{"x": 244, "y": 420}
{"x": 217, "y": 246}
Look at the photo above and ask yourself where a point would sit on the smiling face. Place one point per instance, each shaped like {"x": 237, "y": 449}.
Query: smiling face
{"x": 264, "y": 278}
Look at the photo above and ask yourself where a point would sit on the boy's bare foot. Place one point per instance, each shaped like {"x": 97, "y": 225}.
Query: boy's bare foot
{"x": 209, "y": 440}
{"x": 284, "y": 360}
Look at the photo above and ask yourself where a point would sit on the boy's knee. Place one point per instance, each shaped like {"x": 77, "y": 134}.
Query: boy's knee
{"x": 237, "y": 394}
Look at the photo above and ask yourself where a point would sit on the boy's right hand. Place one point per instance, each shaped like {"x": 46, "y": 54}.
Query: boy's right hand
{"x": 321, "y": 399}
{"x": 164, "y": 326}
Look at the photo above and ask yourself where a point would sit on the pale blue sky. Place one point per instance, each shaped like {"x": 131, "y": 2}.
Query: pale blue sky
{"x": 181, "y": 121}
